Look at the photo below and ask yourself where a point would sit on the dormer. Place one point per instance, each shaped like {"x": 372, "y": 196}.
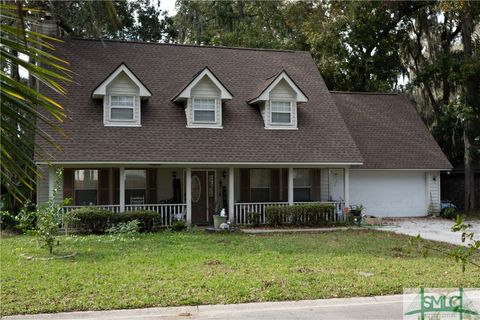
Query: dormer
{"x": 122, "y": 93}
{"x": 202, "y": 98}
{"x": 277, "y": 99}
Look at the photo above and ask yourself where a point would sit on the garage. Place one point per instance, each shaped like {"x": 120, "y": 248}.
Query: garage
{"x": 390, "y": 193}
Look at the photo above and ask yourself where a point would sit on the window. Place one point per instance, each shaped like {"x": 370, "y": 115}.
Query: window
{"x": 301, "y": 185}
{"x": 204, "y": 110}
{"x": 135, "y": 186}
{"x": 281, "y": 112}
{"x": 86, "y": 187}
{"x": 122, "y": 108}
{"x": 260, "y": 185}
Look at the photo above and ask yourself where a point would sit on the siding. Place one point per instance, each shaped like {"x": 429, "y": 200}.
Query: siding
{"x": 42, "y": 186}
{"x": 281, "y": 91}
{"x": 434, "y": 191}
{"x": 122, "y": 85}
{"x": 207, "y": 89}
{"x": 324, "y": 184}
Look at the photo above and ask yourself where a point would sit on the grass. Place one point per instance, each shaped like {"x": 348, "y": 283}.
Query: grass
{"x": 168, "y": 269}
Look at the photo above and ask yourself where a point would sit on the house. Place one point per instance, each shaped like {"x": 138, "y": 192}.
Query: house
{"x": 193, "y": 129}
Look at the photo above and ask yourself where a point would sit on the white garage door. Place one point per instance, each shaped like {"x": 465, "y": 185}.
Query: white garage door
{"x": 389, "y": 193}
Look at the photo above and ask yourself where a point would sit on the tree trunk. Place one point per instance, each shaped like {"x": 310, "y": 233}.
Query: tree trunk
{"x": 471, "y": 95}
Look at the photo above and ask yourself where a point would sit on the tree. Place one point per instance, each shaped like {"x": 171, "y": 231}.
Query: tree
{"x": 23, "y": 105}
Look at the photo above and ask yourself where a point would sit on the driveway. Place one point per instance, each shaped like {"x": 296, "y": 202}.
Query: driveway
{"x": 383, "y": 307}
{"x": 430, "y": 228}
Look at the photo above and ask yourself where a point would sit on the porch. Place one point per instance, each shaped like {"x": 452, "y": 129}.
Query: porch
{"x": 196, "y": 194}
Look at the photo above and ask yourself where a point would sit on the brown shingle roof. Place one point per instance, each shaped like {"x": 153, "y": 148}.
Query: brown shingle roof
{"x": 321, "y": 136}
{"x": 389, "y": 132}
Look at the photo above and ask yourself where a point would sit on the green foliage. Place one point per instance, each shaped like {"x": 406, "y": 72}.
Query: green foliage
{"x": 26, "y": 219}
{"x": 94, "y": 220}
{"x": 23, "y": 107}
{"x": 305, "y": 214}
{"x": 145, "y": 218}
{"x": 129, "y": 229}
{"x": 7, "y": 221}
{"x": 254, "y": 218}
{"x": 448, "y": 213}
{"x": 178, "y": 225}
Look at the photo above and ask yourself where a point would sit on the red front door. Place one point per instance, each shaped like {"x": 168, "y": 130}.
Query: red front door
{"x": 199, "y": 197}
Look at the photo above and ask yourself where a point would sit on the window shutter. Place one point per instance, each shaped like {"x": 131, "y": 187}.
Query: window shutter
{"x": 103, "y": 186}
{"x": 275, "y": 185}
{"x": 245, "y": 185}
{"x": 116, "y": 185}
{"x": 152, "y": 186}
{"x": 315, "y": 188}
{"x": 68, "y": 180}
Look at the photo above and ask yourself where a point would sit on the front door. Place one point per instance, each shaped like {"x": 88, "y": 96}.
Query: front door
{"x": 336, "y": 185}
{"x": 199, "y": 197}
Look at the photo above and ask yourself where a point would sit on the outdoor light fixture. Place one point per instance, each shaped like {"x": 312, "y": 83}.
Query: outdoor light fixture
{"x": 174, "y": 174}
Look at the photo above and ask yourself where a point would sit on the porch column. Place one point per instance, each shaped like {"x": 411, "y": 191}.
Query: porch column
{"x": 51, "y": 181}
{"x": 347, "y": 187}
{"x": 231, "y": 194}
{"x": 122, "y": 189}
{"x": 188, "y": 192}
{"x": 290, "y": 186}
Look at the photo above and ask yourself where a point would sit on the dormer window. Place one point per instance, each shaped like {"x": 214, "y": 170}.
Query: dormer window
{"x": 122, "y": 93}
{"x": 122, "y": 108}
{"x": 281, "y": 112}
{"x": 277, "y": 99}
{"x": 204, "y": 110}
{"x": 202, "y": 98}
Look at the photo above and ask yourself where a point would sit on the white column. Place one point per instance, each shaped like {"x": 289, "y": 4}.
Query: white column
{"x": 347, "y": 187}
{"x": 51, "y": 180}
{"x": 231, "y": 194}
{"x": 188, "y": 191}
{"x": 290, "y": 186}
{"x": 122, "y": 189}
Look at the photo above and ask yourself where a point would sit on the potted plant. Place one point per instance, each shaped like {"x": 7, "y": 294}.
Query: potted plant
{"x": 218, "y": 219}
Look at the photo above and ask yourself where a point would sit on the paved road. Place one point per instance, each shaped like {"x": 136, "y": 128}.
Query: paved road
{"x": 384, "y": 307}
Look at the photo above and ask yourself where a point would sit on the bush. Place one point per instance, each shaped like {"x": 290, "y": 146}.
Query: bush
{"x": 304, "y": 214}
{"x": 254, "y": 218}
{"x": 179, "y": 225}
{"x": 97, "y": 220}
{"x": 448, "y": 213}
{"x": 146, "y": 218}
{"x": 7, "y": 221}
{"x": 130, "y": 228}
{"x": 94, "y": 220}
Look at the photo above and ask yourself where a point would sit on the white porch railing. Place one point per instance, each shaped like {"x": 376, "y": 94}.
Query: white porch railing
{"x": 167, "y": 212}
{"x": 242, "y": 211}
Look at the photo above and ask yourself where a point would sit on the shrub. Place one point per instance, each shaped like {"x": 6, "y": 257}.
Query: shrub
{"x": 7, "y": 221}
{"x": 146, "y": 218}
{"x": 179, "y": 225}
{"x": 130, "y": 228}
{"x": 94, "y": 220}
{"x": 304, "y": 214}
{"x": 448, "y": 213}
{"x": 253, "y": 218}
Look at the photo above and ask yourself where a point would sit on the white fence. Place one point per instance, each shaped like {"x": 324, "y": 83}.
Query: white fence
{"x": 242, "y": 211}
{"x": 167, "y": 212}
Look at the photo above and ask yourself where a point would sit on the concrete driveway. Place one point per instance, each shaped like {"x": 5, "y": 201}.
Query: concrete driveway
{"x": 430, "y": 228}
{"x": 382, "y": 307}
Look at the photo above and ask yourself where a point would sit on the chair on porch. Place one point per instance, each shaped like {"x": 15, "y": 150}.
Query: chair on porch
{"x": 137, "y": 200}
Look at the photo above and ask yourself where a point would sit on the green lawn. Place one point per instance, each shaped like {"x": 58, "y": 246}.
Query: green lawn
{"x": 167, "y": 269}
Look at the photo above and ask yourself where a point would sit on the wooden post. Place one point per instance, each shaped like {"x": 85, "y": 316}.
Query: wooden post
{"x": 290, "y": 186}
{"x": 188, "y": 192}
{"x": 347, "y": 186}
{"x": 122, "y": 189}
{"x": 231, "y": 194}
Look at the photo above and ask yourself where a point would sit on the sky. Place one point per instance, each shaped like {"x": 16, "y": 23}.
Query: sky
{"x": 168, "y": 5}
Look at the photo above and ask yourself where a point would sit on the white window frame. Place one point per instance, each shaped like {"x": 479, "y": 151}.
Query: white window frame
{"x": 215, "y": 101}
{"x": 271, "y": 113}
{"x": 296, "y": 186}
{"x": 110, "y": 107}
